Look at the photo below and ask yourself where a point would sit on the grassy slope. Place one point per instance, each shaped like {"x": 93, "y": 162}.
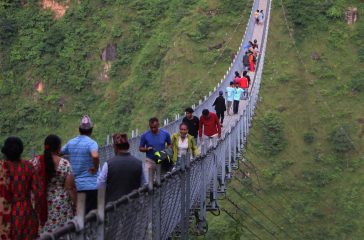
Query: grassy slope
{"x": 318, "y": 194}
{"x": 161, "y": 66}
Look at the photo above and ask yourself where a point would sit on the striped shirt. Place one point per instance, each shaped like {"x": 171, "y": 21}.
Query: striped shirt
{"x": 79, "y": 151}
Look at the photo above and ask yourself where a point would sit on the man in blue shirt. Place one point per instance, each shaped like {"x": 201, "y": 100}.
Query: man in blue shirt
{"x": 230, "y": 91}
{"x": 152, "y": 141}
{"x": 83, "y": 154}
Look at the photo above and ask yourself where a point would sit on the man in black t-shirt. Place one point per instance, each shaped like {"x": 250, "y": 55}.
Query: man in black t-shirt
{"x": 192, "y": 123}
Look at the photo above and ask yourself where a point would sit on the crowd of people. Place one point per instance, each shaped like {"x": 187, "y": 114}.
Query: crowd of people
{"x": 39, "y": 195}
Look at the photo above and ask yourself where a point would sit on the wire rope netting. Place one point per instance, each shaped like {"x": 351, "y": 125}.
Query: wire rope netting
{"x": 158, "y": 212}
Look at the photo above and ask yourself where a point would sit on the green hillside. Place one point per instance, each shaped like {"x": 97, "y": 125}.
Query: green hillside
{"x": 170, "y": 53}
{"x": 307, "y": 138}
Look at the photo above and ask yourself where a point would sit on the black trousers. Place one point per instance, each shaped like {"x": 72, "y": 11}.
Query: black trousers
{"x": 221, "y": 116}
{"x": 91, "y": 199}
{"x": 236, "y": 106}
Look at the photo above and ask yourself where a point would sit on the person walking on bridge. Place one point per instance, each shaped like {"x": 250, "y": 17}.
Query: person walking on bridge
{"x": 209, "y": 128}
{"x": 220, "y": 107}
{"x": 84, "y": 158}
{"x": 237, "y": 96}
{"x": 152, "y": 141}
{"x": 256, "y": 16}
{"x": 192, "y": 123}
{"x": 55, "y": 173}
{"x": 122, "y": 173}
{"x": 183, "y": 143}
{"x": 246, "y": 61}
{"x": 230, "y": 91}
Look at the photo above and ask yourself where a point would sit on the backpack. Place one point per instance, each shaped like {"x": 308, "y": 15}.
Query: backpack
{"x": 164, "y": 158}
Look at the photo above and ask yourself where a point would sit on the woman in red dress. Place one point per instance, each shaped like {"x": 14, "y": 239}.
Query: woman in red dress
{"x": 22, "y": 181}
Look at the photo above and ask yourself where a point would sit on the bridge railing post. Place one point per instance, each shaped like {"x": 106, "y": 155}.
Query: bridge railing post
{"x": 79, "y": 219}
{"x": 101, "y": 194}
{"x": 156, "y": 204}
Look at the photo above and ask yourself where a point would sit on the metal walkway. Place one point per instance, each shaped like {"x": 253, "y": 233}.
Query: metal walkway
{"x": 178, "y": 202}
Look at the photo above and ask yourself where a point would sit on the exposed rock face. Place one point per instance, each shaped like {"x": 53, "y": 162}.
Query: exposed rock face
{"x": 58, "y": 9}
{"x": 351, "y": 15}
{"x": 109, "y": 53}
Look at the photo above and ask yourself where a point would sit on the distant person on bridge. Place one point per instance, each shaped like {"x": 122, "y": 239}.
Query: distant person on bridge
{"x": 245, "y": 74}
{"x": 237, "y": 96}
{"x": 261, "y": 16}
{"x": 246, "y": 63}
{"x": 122, "y": 173}
{"x": 220, "y": 107}
{"x": 192, "y": 123}
{"x": 183, "y": 143}
{"x": 84, "y": 158}
{"x": 237, "y": 76}
{"x": 210, "y": 127}
{"x": 58, "y": 183}
{"x": 252, "y": 60}
{"x": 152, "y": 141}
{"x": 256, "y": 16}
{"x": 230, "y": 91}
{"x": 244, "y": 84}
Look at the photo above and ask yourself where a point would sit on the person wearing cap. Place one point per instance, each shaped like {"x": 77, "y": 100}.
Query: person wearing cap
{"x": 230, "y": 91}
{"x": 209, "y": 127}
{"x": 82, "y": 151}
{"x": 122, "y": 173}
{"x": 152, "y": 141}
{"x": 220, "y": 106}
{"x": 192, "y": 123}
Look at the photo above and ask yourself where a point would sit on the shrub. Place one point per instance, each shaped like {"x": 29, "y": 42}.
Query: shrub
{"x": 341, "y": 139}
{"x": 309, "y": 137}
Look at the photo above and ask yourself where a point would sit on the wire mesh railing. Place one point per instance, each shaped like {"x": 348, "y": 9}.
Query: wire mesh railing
{"x": 160, "y": 210}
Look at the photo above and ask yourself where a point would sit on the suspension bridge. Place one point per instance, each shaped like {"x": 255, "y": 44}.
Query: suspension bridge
{"x": 178, "y": 201}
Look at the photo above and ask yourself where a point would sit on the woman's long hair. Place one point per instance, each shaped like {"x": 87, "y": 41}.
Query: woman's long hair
{"x": 52, "y": 144}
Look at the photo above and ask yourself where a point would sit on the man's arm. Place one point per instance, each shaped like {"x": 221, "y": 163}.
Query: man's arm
{"x": 95, "y": 158}
{"x": 168, "y": 140}
{"x": 142, "y": 145}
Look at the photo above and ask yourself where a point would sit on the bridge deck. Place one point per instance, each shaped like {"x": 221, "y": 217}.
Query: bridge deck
{"x": 229, "y": 121}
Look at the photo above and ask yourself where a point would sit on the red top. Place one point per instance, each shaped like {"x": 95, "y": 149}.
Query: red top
{"x": 211, "y": 126}
{"x": 243, "y": 83}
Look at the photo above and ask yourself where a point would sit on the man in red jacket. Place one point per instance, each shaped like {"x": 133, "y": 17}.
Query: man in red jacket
{"x": 209, "y": 126}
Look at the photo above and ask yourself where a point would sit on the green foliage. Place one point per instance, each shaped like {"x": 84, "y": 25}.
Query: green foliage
{"x": 357, "y": 83}
{"x": 309, "y": 137}
{"x": 273, "y": 138}
{"x": 341, "y": 139}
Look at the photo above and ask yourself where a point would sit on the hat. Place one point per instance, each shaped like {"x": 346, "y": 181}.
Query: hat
{"x": 221, "y": 92}
{"x": 85, "y": 123}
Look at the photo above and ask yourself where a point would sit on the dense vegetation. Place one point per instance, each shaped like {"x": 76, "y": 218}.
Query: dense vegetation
{"x": 170, "y": 53}
{"x": 305, "y": 155}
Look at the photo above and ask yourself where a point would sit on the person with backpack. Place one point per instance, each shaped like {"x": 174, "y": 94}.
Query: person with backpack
{"x": 237, "y": 96}
{"x": 220, "y": 107}
{"x": 246, "y": 63}
{"x": 230, "y": 91}
{"x": 152, "y": 142}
